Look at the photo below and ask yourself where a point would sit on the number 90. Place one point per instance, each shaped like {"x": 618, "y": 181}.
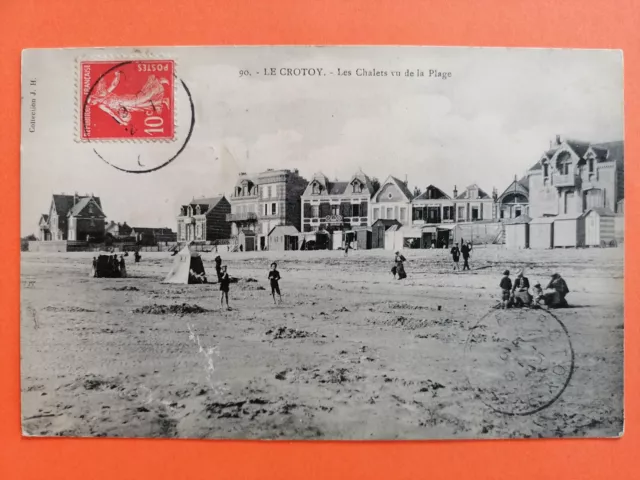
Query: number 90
{"x": 244, "y": 73}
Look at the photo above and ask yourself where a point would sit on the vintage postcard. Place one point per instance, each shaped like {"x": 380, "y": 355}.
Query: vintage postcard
{"x": 345, "y": 243}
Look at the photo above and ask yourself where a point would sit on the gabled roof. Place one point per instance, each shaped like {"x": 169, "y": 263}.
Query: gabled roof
{"x": 387, "y": 223}
{"x": 515, "y": 187}
{"x": 481, "y": 193}
{"x": 285, "y": 230}
{"x": 209, "y": 202}
{"x": 605, "y": 152}
{"x": 425, "y": 195}
{"x": 81, "y": 205}
{"x": 64, "y": 203}
{"x": 360, "y": 175}
{"x": 398, "y": 183}
{"x": 250, "y": 177}
{"x": 44, "y": 217}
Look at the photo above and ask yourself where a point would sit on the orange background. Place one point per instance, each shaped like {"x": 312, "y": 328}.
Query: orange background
{"x": 542, "y": 23}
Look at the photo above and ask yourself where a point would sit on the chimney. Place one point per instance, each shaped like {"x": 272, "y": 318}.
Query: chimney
{"x": 455, "y": 191}
{"x": 406, "y": 180}
{"x": 75, "y": 198}
{"x": 558, "y": 140}
{"x": 242, "y": 174}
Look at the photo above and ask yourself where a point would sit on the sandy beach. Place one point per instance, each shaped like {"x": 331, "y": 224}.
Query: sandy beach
{"x": 350, "y": 353}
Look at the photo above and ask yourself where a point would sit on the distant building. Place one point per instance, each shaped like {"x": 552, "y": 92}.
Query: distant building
{"x": 265, "y": 200}
{"x": 152, "y": 235}
{"x": 431, "y": 207}
{"x": 336, "y": 205}
{"x": 204, "y": 219}
{"x": 573, "y": 177}
{"x": 473, "y": 205}
{"x": 73, "y": 217}
{"x": 392, "y": 201}
{"x": 514, "y": 201}
{"x": 118, "y": 230}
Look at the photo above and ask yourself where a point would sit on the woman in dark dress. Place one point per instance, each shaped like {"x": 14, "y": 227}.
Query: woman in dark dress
{"x": 400, "y": 266}
{"x": 218, "y": 261}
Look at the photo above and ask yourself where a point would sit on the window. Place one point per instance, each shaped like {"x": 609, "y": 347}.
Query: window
{"x": 461, "y": 215}
{"x": 590, "y": 166}
{"x": 389, "y": 213}
{"x": 315, "y": 188}
{"x": 335, "y": 209}
{"x": 197, "y": 209}
{"x": 403, "y": 214}
{"x": 518, "y": 212}
{"x": 474, "y": 213}
{"x": 355, "y": 210}
{"x": 501, "y": 213}
{"x": 273, "y": 207}
{"x": 315, "y": 211}
{"x": 417, "y": 213}
{"x": 357, "y": 187}
{"x": 268, "y": 192}
{"x": 266, "y": 209}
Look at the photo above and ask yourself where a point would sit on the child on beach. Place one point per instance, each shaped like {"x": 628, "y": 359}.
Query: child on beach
{"x": 506, "y": 286}
{"x": 538, "y": 294}
{"x": 274, "y": 277}
{"x": 224, "y": 287}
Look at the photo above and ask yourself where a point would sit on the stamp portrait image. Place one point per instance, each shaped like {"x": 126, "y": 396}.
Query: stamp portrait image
{"x": 322, "y": 243}
{"x": 132, "y": 99}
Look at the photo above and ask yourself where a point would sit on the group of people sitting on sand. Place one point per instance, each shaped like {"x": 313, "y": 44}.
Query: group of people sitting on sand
{"x": 115, "y": 268}
{"x": 516, "y": 293}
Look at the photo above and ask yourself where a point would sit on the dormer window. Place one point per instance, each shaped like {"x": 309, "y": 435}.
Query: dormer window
{"x": 357, "y": 187}
{"x": 564, "y": 163}
{"x": 197, "y": 209}
{"x": 90, "y": 209}
{"x": 315, "y": 188}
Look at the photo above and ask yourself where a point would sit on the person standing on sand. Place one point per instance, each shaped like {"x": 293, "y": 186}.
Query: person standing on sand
{"x": 224, "y": 287}
{"x": 400, "y": 266}
{"x": 274, "y": 277}
{"x": 466, "y": 252}
{"x": 455, "y": 254}
{"x": 506, "y": 286}
{"x": 123, "y": 268}
{"x": 346, "y": 249}
{"x": 218, "y": 261}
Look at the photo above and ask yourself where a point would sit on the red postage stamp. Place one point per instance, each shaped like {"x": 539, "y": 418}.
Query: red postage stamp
{"x": 122, "y": 100}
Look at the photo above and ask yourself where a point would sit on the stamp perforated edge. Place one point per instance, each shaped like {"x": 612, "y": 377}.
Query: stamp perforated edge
{"x": 123, "y": 57}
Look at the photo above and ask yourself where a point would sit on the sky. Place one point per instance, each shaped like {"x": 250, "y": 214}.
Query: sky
{"x": 490, "y": 120}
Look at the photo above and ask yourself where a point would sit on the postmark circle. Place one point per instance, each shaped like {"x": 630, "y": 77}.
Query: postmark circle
{"x": 519, "y": 361}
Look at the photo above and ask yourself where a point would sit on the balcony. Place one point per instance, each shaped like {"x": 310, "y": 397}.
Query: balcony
{"x": 242, "y": 217}
{"x": 569, "y": 180}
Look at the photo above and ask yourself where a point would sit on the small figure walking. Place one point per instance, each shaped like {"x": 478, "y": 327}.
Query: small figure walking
{"x": 274, "y": 277}
{"x": 346, "y": 248}
{"x": 400, "y": 266}
{"x": 94, "y": 268}
{"x": 506, "y": 286}
{"x": 224, "y": 287}
{"x": 466, "y": 252}
{"x": 455, "y": 254}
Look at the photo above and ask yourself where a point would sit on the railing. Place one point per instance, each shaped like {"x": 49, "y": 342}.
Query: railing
{"x": 569, "y": 180}
{"x": 241, "y": 217}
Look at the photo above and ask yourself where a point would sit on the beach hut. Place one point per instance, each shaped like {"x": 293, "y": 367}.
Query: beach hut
{"x": 284, "y": 237}
{"x": 411, "y": 237}
{"x": 247, "y": 240}
{"x": 541, "y": 232}
{"x": 393, "y": 239}
{"x": 336, "y": 239}
{"x": 599, "y": 227}
{"x": 362, "y": 237}
{"x": 568, "y": 230}
{"x": 516, "y": 231}
{"x": 379, "y": 229}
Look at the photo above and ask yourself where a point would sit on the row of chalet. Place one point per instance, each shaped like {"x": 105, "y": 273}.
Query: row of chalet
{"x": 81, "y": 218}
